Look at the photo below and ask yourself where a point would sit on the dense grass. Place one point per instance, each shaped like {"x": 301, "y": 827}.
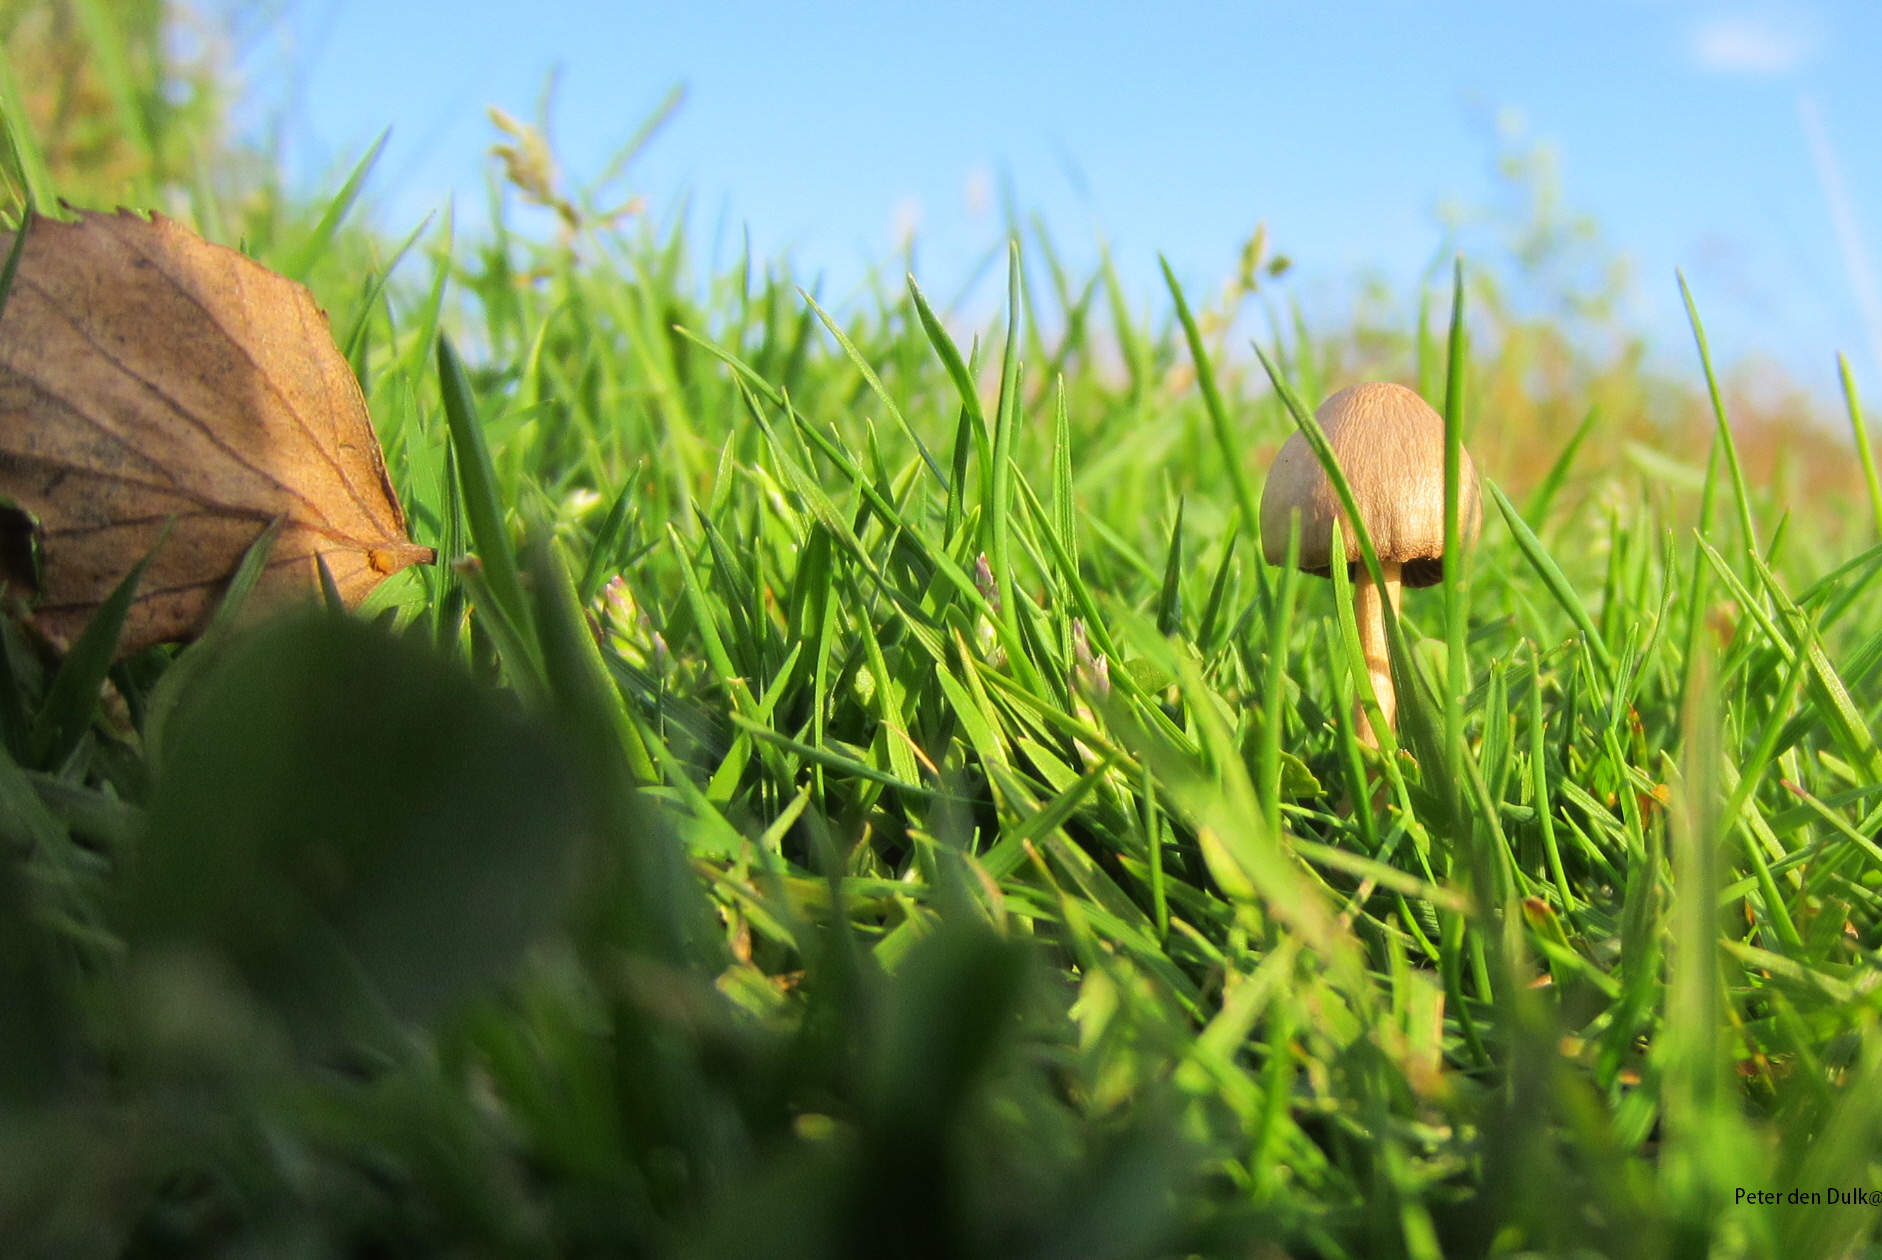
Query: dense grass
{"x": 854, "y": 788}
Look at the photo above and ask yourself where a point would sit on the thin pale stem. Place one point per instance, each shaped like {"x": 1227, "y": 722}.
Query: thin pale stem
{"x": 1368, "y": 608}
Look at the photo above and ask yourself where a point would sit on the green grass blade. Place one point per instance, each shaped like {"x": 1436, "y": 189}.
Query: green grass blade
{"x": 375, "y": 289}
{"x": 1064, "y": 505}
{"x": 14, "y": 254}
{"x": 1274, "y": 705}
{"x": 194, "y": 659}
{"x": 1225, "y": 437}
{"x": 73, "y": 697}
{"x": 329, "y": 589}
{"x": 1740, "y": 495}
{"x": 477, "y": 478}
{"x": 1697, "y": 1109}
{"x": 578, "y": 678}
{"x": 1170, "y": 596}
{"x": 1537, "y": 509}
{"x": 1553, "y": 578}
{"x": 1456, "y": 566}
{"x": 298, "y": 264}
{"x": 606, "y": 550}
{"x": 27, "y": 159}
{"x": 1213, "y": 623}
{"x": 1859, "y": 429}
{"x": 105, "y": 35}
{"x": 1005, "y": 425}
{"x": 876, "y": 386}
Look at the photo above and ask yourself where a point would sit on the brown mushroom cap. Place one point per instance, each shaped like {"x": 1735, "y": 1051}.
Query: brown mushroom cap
{"x": 1390, "y": 445}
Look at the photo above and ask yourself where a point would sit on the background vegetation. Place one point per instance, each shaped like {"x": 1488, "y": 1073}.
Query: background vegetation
{"x": 852, "y": 787}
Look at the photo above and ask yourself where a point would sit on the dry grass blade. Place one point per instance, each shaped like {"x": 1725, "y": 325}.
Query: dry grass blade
{"x": 147, "y": 375}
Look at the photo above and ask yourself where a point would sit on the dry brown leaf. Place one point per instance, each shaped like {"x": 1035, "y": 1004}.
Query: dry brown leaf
{"x": 148, "y": 376}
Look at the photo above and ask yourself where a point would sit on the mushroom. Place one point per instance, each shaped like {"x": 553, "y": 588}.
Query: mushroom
{"x": 1390, "y": 447}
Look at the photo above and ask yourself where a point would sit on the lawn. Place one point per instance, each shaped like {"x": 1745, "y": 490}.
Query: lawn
{"x": 852, "y": 786}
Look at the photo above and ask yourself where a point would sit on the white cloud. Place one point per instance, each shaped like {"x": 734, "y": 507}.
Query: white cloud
{"x": 1753, "y": 45}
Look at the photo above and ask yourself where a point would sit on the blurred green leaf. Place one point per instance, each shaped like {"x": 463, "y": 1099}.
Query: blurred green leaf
{"x": 353, "y": 824}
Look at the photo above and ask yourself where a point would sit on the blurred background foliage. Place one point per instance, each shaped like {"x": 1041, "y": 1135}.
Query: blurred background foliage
{"x": 124, "y": 96}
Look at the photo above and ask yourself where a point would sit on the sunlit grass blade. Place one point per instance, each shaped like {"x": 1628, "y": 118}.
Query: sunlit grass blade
{"x": 1741, "y": 496}
{"x": 483, "y": 500}
{"x": 1005, "y": 424}
{"x": 607, "y": 545}
{"x": 1456, "y": 564}
{"x": 1699, "y": 1119}
{"x": 1274, "y": 706}
{"x": 875, "y": 385}
{"x": 1227, "y": 443}
{"x": 374, "y": 291}
{"x": 1552, "y": 577}
{"x": 1542, "y": 499}
{"x": 1064, "y": 507}
{"x": 1859, "y": 429}
{"x": 310, "y": 251}
{"x": 1209, "y": 631}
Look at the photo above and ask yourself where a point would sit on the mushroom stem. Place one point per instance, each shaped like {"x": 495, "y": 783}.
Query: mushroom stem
{"x": 1367, "y": 607}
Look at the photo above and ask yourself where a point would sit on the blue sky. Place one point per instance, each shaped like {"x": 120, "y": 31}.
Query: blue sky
{"x": 1734, "y": 140}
